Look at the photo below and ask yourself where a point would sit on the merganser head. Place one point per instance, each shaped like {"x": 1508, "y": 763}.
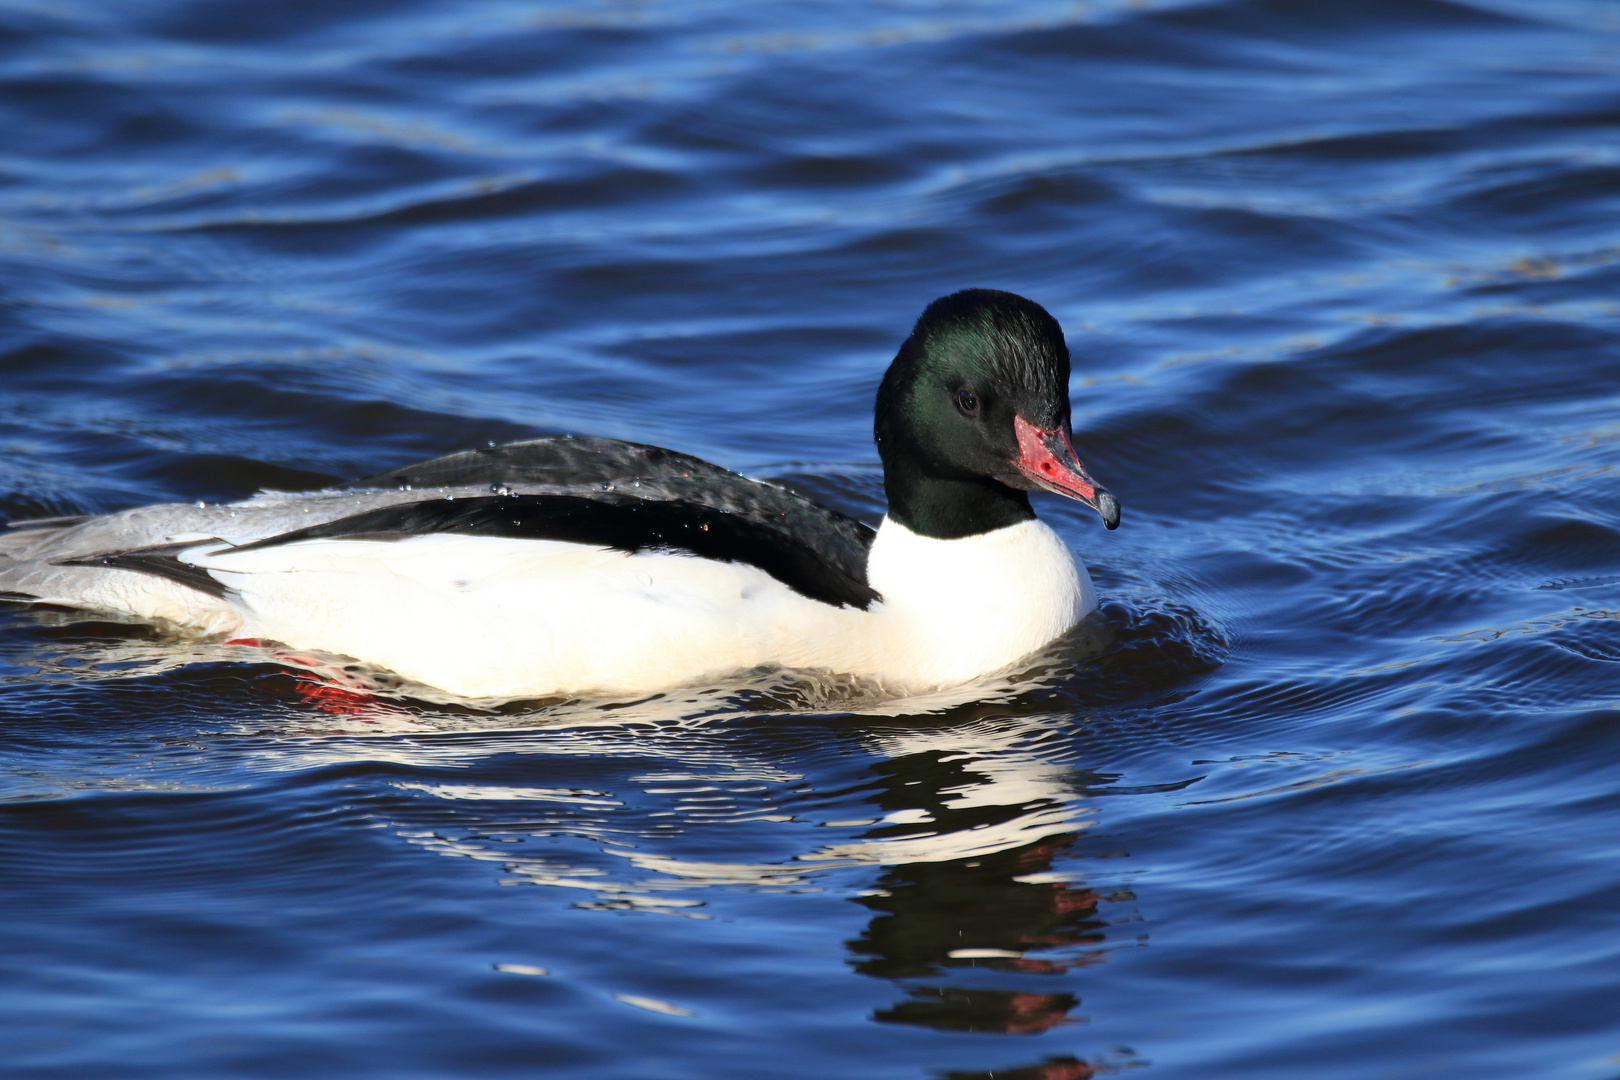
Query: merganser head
{"x": 974, "y": 412}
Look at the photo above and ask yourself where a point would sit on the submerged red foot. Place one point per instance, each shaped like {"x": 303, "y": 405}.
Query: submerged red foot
{"x": 320, "y": 682}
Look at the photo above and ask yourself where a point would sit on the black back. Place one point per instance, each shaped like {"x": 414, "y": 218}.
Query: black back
{"x": 617, "y": 473}
{"x": 603, "y": 492}
{"x": 609, "y": 520}
{"x": 561, "y": 460}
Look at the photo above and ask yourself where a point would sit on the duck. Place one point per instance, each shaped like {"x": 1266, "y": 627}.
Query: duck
{"x": 590, "y": 566}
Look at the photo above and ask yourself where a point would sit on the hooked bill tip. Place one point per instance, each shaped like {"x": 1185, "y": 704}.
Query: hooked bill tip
{"x": 1108, "y": 507}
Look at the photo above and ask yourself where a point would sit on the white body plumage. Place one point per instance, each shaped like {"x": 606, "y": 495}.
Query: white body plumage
{"x": 497, "y": 617}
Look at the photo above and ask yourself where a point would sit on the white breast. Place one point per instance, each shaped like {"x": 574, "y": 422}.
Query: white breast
{"x": 958, "y": 609}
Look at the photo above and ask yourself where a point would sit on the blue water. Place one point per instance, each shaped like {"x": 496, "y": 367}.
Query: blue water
{"x": 1330, "y": 790}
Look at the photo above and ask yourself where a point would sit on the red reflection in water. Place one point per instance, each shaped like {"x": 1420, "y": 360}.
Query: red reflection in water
{"x": 1054, "y": 1068}
{"x": 1008, "y": 1012}
{"x": 325, "y": 685}
{"x": 1029, "y": 1014}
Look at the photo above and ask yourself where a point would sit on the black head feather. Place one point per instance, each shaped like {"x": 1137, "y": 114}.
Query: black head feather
{"x": 945, "y": 409}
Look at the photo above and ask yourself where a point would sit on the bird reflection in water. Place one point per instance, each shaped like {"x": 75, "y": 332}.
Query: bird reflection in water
{"x": 974, "y": 819}
{"x": 935, "y": 921}
{"x": 977, "y": 913}
{"x": 949, "y": 929}
{"x": 1054, "y": 1068}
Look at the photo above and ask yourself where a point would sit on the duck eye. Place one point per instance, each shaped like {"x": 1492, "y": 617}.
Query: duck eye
{"x": 966, "y": 403}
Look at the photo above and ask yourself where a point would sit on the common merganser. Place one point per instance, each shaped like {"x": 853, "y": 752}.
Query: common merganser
{"x": 581, "y": 565}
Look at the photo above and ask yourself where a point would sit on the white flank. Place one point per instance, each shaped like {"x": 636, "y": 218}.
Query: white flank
{"x": 506, "y": 618}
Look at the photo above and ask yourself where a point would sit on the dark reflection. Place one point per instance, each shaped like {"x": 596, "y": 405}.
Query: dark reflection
{"x": 965, "y": 917}
{"x": 1004, "y": 1011}
{"x": 1053, "y": 1068}
{"x": 976, "y": 913}
{"x": 978, "y": 906}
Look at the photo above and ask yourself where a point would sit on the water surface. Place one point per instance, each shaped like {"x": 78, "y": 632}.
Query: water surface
{"x": 1328, "y": 790}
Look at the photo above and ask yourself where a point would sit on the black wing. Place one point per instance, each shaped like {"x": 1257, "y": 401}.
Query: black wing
{"x": 159, "y": 560}
{"x": 592, "y": 468}
{"x": 610, "y": 520}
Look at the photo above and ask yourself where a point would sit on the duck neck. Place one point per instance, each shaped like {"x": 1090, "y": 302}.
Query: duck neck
{"x": 949, "y": 507}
